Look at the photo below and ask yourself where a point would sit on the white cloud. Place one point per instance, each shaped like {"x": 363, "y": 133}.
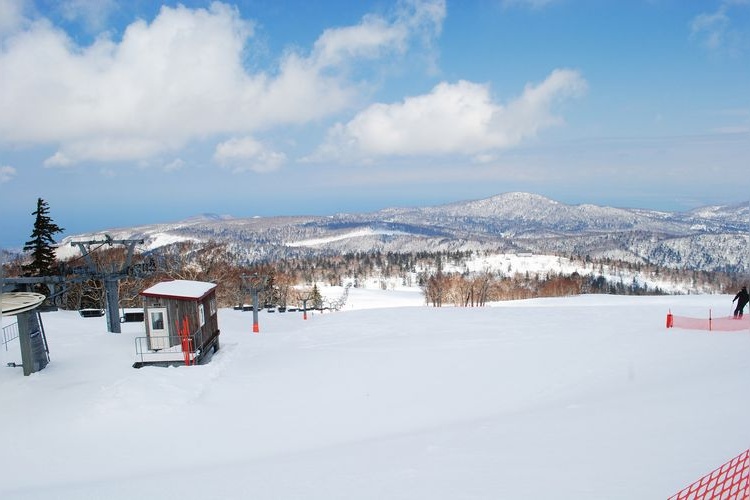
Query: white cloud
{"x": 711, "y": 27}
{"x": 176, "y": 79}
{"x": 58, "y": 160}
{"x": 247, "y": 154}
{"x": 94, "y": 14}
{"x": 459, "y": 118}
{"x": 715, "y": 30}
{"x": 11, "y": 15}
{"x": 375, "y": 35}
{"x": 367, "y": 39}
{"x": 7, "y": 173}
{"x": 733, "y": 129}
{"x": 174, "y": 165}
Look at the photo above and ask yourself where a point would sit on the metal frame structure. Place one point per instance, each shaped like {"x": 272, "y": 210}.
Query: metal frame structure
{"x": 111, "y": 279}
{"x": 58, "y": 285}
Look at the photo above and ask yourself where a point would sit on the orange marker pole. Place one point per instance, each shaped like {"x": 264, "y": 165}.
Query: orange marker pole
{"x": 256, "y": 327}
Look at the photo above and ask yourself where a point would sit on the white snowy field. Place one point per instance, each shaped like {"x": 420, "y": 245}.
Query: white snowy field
{"x": 586, "y": 397}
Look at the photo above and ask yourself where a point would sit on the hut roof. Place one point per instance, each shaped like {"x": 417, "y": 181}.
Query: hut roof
{"x": 180, "y": 289}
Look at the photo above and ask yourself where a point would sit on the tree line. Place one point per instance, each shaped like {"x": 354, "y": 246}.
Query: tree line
{"x": 289, "y": 282}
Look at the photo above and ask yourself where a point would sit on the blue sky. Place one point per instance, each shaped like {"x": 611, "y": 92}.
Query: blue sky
{"x": 121, "y": 113}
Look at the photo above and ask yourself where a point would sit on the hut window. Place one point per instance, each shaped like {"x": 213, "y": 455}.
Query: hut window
{"x": 157, "y": 320}
{"x": 212, "y": 306}
{"x": 202, "y": 314}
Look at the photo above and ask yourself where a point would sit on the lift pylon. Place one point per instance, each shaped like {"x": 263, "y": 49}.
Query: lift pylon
{"x": 111, "y": 278}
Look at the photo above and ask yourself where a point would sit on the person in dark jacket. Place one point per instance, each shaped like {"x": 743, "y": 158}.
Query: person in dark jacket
{"x": 742, "y": 299}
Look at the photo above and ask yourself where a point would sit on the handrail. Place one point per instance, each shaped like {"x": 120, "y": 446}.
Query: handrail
{"x": 10, "y": 333}
{"x": 173, "y": 346}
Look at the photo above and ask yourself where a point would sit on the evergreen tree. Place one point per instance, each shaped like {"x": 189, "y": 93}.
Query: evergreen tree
{"x": 316, "y": 298}
{"x": 41, "y": 243}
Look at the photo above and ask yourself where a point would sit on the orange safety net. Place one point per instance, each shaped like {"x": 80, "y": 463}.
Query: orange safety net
{"x": 721, "y": 324}
{"x": 730, "y": 481}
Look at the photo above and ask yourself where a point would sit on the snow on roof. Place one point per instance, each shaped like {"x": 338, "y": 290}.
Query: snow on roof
{"x": 185, "y": 289}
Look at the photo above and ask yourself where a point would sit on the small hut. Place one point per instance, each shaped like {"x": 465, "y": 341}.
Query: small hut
{"x": 182, "y": 326}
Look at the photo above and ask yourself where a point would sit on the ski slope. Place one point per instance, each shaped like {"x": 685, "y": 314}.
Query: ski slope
{"x": 585, "y": 397}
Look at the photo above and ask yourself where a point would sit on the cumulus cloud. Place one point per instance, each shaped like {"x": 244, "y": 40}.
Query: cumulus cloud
{"x": 11, "y": 15}
{"x": 176, "y": 79}
{"x": 458, "y": 118}
{"x": 7, "y": 173}
{"x": 247, "y": 154}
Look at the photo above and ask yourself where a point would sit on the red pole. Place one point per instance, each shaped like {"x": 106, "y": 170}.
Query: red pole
{"x": 670, "y": 319}
{"x": 256, "y": 328}
{"x": 185, "y": 334}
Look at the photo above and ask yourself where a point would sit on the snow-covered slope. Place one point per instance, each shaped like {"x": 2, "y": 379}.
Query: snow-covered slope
{"x": 587, "y": 397}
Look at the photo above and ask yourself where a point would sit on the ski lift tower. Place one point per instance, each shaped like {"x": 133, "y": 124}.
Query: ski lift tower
{"x": 253, "y": 284}
{"x": 111, "y": 279}
{"x": 305, "y": 297}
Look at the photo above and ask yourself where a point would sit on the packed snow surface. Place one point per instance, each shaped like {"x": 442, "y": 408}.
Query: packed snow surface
{"x": 344, "y": 236}
{"x": 585, "y": 397}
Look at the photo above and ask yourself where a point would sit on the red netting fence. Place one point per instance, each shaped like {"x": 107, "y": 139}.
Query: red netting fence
{"x": 731, "y": 481}
{"x": 720, "y": 324}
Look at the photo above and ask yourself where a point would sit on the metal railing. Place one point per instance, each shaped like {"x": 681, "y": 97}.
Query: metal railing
{"x": 10, "y": 333}
{"x": 170, "y": 347}
{"x": 166, "y": 348}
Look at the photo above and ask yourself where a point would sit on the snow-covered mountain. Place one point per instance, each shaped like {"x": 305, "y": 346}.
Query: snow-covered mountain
{"x": 708, "y": 238}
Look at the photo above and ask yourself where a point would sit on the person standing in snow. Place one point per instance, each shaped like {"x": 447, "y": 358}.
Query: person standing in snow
{"x": 742, "y": 299}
